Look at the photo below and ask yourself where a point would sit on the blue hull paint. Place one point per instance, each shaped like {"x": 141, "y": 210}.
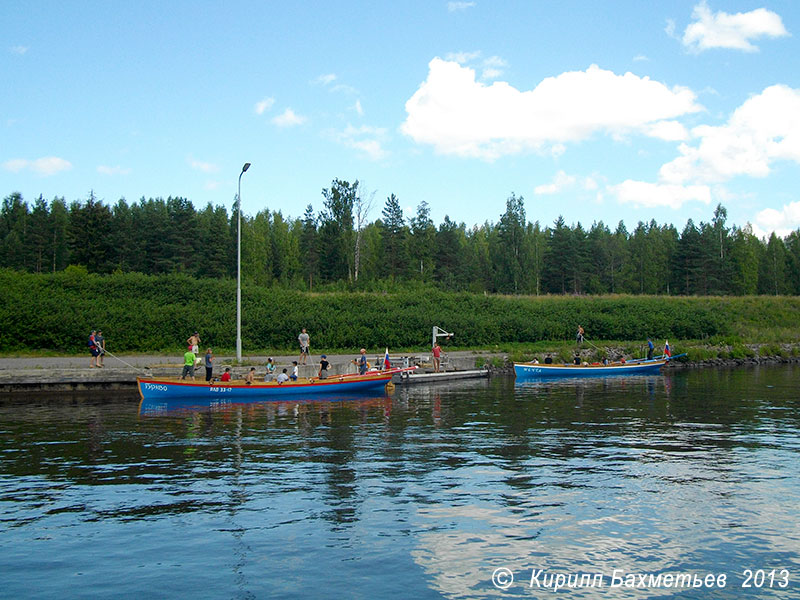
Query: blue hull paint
{"x": 159, "y": 389}
{"x": 530, "y": 371}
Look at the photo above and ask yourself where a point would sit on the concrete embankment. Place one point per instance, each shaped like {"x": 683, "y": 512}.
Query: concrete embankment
{"x": 53, "y": 374}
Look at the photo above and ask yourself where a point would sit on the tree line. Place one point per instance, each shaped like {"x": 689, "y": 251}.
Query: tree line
{"x": 340, "y": 248}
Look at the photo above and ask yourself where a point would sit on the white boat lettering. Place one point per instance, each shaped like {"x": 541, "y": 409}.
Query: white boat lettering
{"x": 155, "y": 386}
{"x": 221, "y": 389}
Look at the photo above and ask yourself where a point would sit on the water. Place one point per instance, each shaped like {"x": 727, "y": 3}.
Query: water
{"x": 424, "y": 494}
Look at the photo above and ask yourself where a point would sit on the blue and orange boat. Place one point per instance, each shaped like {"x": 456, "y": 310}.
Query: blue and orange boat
{"x": 174, "y": 388}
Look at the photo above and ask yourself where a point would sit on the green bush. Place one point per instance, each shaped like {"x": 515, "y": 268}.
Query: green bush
{"x": 770, "y": 350}
{"x": 143, "y": 313}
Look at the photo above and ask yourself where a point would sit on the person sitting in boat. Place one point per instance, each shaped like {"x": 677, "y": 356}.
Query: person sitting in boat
{"x": 650, "y": 348}
{"x": 282, "y": 377}
{"x": 295, "y": 371}
{"x": 226, "y": 376}
{"x": 577, "y": 360}
{"x": 251, "y": 376}
{"x": 548, "y": 360}
{"x": 323, "y": 367}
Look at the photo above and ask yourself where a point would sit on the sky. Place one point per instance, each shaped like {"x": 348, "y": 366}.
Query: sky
{"x": 593, "y": 111}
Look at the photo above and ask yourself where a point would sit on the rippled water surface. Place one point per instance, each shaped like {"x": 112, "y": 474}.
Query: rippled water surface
{"x": 426, "y": 493}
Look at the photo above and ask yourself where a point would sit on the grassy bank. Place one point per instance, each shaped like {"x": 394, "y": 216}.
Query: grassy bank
{"x": 139, "y": 313}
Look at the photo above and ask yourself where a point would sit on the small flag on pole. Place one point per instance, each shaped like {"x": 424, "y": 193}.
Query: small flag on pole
{"x": 386, "y": 362}
{"x": 666, "y": 348}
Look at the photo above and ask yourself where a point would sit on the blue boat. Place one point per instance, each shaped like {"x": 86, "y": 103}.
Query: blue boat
{"x": 173, "y": 388}
{"x": 638, "y": 367}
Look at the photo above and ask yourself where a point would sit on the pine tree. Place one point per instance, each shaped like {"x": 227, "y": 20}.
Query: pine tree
{"x": 395, "y": 234}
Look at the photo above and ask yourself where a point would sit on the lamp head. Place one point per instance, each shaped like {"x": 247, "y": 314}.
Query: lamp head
{"x": 245, "y": 167}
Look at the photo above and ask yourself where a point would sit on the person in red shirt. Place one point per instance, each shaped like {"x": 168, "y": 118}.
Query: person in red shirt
{"x": 226, "y": 376}
{"x": 437, "y": 354}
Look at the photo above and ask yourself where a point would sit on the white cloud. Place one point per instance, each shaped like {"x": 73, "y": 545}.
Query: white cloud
{"x": 106, "y": 170}
{"x": 669, "y": 28}
{"x": 367, "y": 140}
{"x": 205, "y": 167}
{"x": 344, "y": 88}
{"x": 47, "y": 166}
{"x": 264, "y": 105}
{"x": 561, "y": 181}
{"x": 289, "y": 118}
{"x": 463, "y": 58}
{"x": 670, "y": 131}
{"x": 493, "y": 67}
{"x": 458, "y": 115}
{"x": 357, "y": 107}
{"x": 15, "y": 165}
{"x": 765, "y": 129}
{"x": 327, "y": 79}
{"x": 782, "y": 221}
{"x": 731, "y": 31}
{"x": 20, "y": 50}
{"x": 456, "y": 6}
{"x": 50, "y": 165}
{"x": 649, "y": 195}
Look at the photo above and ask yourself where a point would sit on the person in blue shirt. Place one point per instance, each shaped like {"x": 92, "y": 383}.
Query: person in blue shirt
{"x": 650, "y": 348}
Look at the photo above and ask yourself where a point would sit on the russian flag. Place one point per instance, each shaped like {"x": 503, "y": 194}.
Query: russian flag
{"x": 666, "y": 349}
{"x": 386, "y": 362}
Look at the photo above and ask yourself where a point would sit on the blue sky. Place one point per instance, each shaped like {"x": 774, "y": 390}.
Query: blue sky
{"x": 597, "y": 111}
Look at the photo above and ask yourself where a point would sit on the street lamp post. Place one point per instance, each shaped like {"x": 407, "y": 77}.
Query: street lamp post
{"x": 239, "y": 271}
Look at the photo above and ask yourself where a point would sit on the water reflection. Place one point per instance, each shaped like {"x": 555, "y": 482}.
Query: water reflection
{"x": 421, "y": 494}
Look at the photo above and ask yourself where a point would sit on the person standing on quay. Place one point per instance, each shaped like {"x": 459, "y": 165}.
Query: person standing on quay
{"x": 305, "y": 346}
{"x": 101, "y": 347}
{"x": 437, "y": 357}
{"x": 93, "y": 350}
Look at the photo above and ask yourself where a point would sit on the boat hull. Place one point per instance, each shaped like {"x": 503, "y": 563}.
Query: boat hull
{"x": 166, "y": 388}
{"x": 534, "y": 371}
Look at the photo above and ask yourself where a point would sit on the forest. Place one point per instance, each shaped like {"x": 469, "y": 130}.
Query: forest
{"x": 343, "y": 249}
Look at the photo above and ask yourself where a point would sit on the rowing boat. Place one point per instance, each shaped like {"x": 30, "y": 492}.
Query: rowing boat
{"x": 638, "y": 367}
{"x": 169, "y": 388}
